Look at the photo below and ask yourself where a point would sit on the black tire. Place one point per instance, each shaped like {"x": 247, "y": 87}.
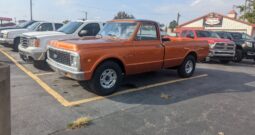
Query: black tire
{"x": 15, "y": 46}
{"x": 95, "y": 84}
{"x": 182, "y": 69}
{"x": 40, "y": 64}
{"x": 239, "y": 56}
{"x": 224, "y": 61}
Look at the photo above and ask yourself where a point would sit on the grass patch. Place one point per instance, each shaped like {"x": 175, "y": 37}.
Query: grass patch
{"x": 79, "y": 123}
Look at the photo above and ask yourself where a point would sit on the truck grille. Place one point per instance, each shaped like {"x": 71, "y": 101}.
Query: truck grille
{"x": 24, "y": 41}
{"x": 60, "y": 56}
{"x": 1, "y": 35}
{"x": 224, "y": 46}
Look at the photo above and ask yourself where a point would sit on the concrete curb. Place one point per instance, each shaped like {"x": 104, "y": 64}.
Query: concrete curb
{"x": 5, "y": 113}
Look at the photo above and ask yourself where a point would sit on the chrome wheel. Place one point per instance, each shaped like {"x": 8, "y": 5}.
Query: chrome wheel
{"x": 189, "y": 67}
{"x": 108, "y": 78}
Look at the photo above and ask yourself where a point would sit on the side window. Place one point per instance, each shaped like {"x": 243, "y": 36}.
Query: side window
{"x": 190, "y": 34}
{"x": 147, "y": 31}
{"x": 184, "y": 33}
{"x": 58, "y": 25}
{"x": 90, "y": 30}
{"x": 45, "y": 27}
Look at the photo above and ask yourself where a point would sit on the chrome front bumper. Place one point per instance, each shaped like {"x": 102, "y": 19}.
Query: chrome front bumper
{"x": 32, "y": 52}
{"x": 6, "y": 41}
{"x": 65, "y": 70}
{"x": 219, "y": 53}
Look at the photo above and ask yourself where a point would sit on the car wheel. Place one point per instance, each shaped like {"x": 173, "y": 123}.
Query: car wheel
{"x": 15, "y": 46}
{"x": 239, "y": 56}
{"x": 42, "y": 64}
{"x": 188, "y": 67}
{"x": 224, "y": 61}
{"x": 106, "y": 79}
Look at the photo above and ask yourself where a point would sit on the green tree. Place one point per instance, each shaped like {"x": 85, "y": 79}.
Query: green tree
{"x": 172, "y": 25}
{"x": 123, "y": 15}
{"x": 249, "y": 16}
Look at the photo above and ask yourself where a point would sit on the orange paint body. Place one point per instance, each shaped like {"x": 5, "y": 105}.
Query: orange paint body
{"x": 135, "y": 56}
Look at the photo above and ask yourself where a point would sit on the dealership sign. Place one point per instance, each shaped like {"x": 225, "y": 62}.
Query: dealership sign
{"x": 213, "y": 20}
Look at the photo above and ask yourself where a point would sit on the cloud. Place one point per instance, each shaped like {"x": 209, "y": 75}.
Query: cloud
{"x": 195, "y": 2}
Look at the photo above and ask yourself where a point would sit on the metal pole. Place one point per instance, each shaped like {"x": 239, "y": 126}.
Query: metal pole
{"x": 86, "y": 15}
{"x": 5, "y": 113}
{"x": 178, "y": 18}
{"x": 31, "y": 10}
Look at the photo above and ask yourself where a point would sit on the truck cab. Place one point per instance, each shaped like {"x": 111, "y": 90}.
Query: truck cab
{"x": 220, "y": 49}
{"x": 123, "y": 47}
{"x": 33, "y": 45}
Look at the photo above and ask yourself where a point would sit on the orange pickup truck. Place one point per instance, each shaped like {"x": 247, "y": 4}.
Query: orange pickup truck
{"x": 123, "y": 47}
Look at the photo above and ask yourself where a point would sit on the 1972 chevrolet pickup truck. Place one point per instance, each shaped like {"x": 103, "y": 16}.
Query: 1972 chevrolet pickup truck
{"x": 123, "y": 47}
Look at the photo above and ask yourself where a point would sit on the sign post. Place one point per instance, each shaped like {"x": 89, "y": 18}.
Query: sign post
{"x": 5, "y": 108}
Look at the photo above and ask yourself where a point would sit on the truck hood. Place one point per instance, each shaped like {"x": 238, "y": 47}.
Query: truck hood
{"x": 43, "y": 34}
{"x": 14, "y": 30}
{"x": 92, "y": 42}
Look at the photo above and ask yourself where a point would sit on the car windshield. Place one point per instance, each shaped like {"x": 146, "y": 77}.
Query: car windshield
{"x": 26, "y": 24}
{"x": 207, "y": 34}
{"x": 70, "y": 27}
{"x": 118, "y": 30}
{"x": 33, "y": 26}
{"x": 241, "y": 36}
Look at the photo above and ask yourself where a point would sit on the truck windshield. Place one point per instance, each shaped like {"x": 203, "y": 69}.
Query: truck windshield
{"x": 207, "y": 34}
{"x": 26, "y": 24}
{"x": 121, "y": 30}
{"x": 70, "y": 27}
{"x": 243, "y": 36}
{"x": 33, "y": 26}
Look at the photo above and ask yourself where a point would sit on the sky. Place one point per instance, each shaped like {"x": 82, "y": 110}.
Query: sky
{"x": 162, "y": 11}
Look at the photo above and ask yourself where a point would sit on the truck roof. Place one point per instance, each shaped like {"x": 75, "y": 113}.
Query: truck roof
{"x": 133, "y": 20}
{"x": 85, "y": 21}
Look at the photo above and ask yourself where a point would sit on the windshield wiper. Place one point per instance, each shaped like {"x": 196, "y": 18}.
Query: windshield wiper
{"x": 112, "y": 35}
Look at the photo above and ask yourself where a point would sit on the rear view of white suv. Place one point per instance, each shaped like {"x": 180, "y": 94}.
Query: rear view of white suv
{"x": 33, "y": 45}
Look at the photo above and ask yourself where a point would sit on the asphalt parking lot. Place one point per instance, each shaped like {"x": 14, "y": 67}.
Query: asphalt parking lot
{"x": 218, "y": 99}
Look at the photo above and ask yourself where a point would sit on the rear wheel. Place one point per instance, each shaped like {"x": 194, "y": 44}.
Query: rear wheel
{"x": 15, "y": 46}
{"x": 239, "y": 55}
{"x": 106, "y": 79}
{"x": 188, "y": 67}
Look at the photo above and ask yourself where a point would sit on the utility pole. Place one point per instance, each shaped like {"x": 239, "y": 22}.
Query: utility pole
{"x": 178, "y": 18}
{"x": 31, "y": 10}
{"x": 86, "y": 15}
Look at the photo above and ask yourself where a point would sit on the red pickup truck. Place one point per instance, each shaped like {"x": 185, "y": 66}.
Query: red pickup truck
{"x": 123, "y": 47}
{"x": 220, "y": 49}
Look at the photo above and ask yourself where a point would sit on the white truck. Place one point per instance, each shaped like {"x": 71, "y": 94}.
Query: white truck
{"x": 12, "y": 36}
{"x": 33, "y": 45}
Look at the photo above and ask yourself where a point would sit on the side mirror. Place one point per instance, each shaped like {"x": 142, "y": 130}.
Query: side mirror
{"x": 190, "y": 36}
{"x": 39, "y": 28}
{"x": 83, "y": 32}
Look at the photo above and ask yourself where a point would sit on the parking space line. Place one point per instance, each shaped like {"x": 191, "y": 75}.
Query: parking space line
{"x": 42, "y": 74}
{"x": 67, "y": 103}
{"x": 47, "y": 88}
{"x": 134, "y": 90}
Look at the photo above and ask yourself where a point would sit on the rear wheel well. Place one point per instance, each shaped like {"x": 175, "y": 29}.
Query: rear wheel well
{"x": 193, "y": 54}
{"x": 119, "y": 62}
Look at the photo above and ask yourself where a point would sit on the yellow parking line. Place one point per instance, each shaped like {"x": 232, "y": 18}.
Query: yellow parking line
{"x": 134, "y": 90}
{"x": 66, "y": 103}
{"x": 42, "y": 74}
{"x": 48, "y": 89}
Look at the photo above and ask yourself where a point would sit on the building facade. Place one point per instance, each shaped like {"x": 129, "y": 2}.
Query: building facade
{"x": 218, "y": 22}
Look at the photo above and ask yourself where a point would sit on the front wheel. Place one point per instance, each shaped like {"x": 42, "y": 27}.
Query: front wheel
{"x": 15, "y": 46}
{"x": 188, "y": 67}
{"x": 106, "y": 79}
{"x": 239, "y": 55}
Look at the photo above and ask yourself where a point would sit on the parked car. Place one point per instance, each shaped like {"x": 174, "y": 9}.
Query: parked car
{"x": 13, "y": 36}
{"x": 245, "y": 45}
{"x": 220, "y": 49}
{"x": 21, "y": 26}
{"x": 33, "y": 45}
{"x": 123, "y": 47}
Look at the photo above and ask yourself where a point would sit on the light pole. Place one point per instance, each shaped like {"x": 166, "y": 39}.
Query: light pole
{"x": 31, "y": 10}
